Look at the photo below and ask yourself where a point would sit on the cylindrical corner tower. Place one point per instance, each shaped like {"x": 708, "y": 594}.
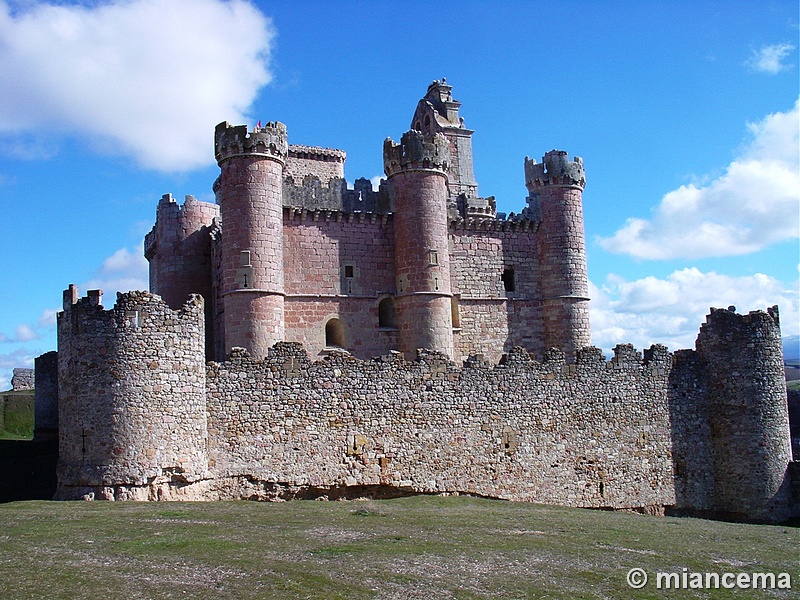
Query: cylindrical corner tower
{"x": 748, "y": 413}
{"x": 250, "y": 195}
{"x": 556, "y": 185}
{"x": 417, "y": 169}
{"x": 132, "y": 396}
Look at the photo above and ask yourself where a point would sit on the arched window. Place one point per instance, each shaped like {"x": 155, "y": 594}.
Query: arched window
{"x": 387, "y": 317}
{"x": 334, "y": 334}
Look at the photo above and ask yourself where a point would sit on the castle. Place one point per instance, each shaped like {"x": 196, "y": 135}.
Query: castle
{"x": 288, "y": 252}
{"x": 421, "y": 308}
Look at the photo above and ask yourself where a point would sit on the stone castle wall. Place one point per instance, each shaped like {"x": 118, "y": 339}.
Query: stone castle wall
{"x": 596, "y": 434}
{"x": 493, "y": 319}
{"x": 338, "y": 266}
{"x": 141, "y": 417}
{"x": 323, "y": 164}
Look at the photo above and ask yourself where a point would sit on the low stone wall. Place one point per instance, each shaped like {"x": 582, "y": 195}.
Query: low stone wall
{"x": 594, "y": 434}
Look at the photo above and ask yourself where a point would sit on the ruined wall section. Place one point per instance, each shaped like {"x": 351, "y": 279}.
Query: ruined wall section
{"x": 22, "y": 379}
{"x": 748, "y": 412}
{"x": 591, "y": 434}
{"x": 132, "y": 398}
{"x": 339, "y": 266}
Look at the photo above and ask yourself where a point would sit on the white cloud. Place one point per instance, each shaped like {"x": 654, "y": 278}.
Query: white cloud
{"x": 147, "y": 79}
{"x": 752, "y": 205}
{"x": 25, "y": 333}
{"x": 769, "y": 59}
{"x": 48, "y": 319}
{"x": 123, "y": 271}
{"x": 670, "y": 311}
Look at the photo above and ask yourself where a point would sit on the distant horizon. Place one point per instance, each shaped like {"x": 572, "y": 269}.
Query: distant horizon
{"x": 686, "y": 117}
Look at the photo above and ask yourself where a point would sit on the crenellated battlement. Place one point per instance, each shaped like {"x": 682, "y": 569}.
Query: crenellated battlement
{"x": 317, "y": 153}
{"x": 268, "y": 141}
{"x": 132, "y": 310}
{"x": 416, "y": 151}
{"x": 556, "y": 169}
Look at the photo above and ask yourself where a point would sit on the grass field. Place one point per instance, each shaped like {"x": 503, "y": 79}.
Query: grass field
{"x": 17, "y": 421}
{"x": 419, "y": 547}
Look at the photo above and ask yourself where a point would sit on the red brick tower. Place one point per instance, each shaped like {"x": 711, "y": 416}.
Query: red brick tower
{"x": 416, "y": 169}
{"x": 556, "y": 189}
{"x": 250, "y": 195}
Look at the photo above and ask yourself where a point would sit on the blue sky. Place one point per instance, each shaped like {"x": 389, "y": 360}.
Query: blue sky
{"x": 685, "y": 114}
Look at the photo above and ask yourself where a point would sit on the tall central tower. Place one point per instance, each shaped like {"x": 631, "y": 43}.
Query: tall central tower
{"x": 437, "y": 112}
{"x": 417, "y": 172}
{"x": 250, "y": 195}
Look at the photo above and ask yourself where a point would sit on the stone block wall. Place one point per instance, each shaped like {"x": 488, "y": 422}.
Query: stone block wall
{"x": 493, "y": 319}
{"x": 324, "y": 164}
{"x": 338, "y": 266}
{"x": 594, "y": 434}
{"x": 141, "y": 417}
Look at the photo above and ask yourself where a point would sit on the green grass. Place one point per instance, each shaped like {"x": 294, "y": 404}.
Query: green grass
{"x": 420, "y": 547}
{"x": 17, "y": 423}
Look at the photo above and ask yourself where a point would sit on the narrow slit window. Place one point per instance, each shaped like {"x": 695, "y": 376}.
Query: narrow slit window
{"x": 455, "y": 313}
{"x": 507, "y": 277}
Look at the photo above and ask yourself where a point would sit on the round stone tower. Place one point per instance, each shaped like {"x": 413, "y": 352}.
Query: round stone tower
{"x": 132, "y": 397}
{"x": 417, "y": 172}
{"x": 748, "y": 413}
{"x": 250, "y": 195}
{"x": 556, "y": 189}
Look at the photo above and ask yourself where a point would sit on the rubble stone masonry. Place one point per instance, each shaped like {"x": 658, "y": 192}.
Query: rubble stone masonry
{"x": 141, "y": 417}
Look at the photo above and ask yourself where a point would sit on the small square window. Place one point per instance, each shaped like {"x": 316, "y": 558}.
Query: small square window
{"x": 349, "y": 271}
{"x": 433, "y": 258}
